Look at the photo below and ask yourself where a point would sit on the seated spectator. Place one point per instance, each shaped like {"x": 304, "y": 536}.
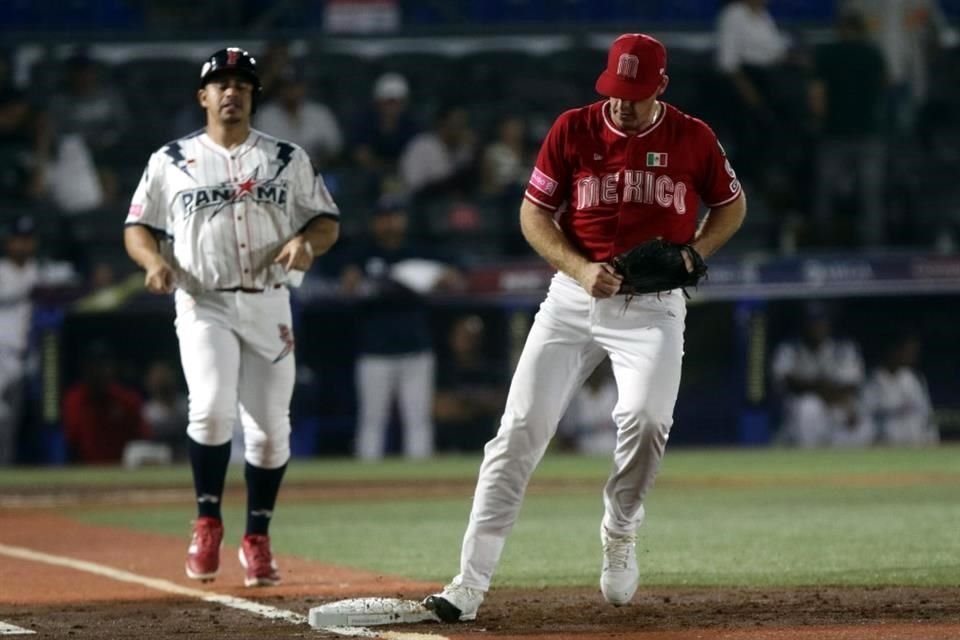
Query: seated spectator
{"x": 165, "y": 409}
{"x": 94, "y": 110}
{"x": 471, "y": 388}
{"x": 819, "y": 379}
{"x": 272, "y": 65}
{"x": 846, "y": 100}
{"x": 291, "y": 116}
{"x": 507, "y": 161}
{"x": 100, "y": 415}
{"x": 74, "y": 181}
{"x": 382, "y": 133}
{"x": 897, "y": 399}
{"x": 24, "y": 147}
{"x": 588, "y": 427}
{"x": 441, "y": 161}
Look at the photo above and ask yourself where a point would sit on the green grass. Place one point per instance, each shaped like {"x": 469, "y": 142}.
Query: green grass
{"x": 762, "y": 465}
{"x": 744, "y": 518}
{"x": 306, "y": 471}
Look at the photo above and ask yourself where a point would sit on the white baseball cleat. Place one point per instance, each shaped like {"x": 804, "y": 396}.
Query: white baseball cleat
{"x": 620, "y": 575}
{"x": 455, "y": 603}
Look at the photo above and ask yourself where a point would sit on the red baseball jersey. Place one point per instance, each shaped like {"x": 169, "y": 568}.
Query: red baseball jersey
{"x": 611, "y": 190}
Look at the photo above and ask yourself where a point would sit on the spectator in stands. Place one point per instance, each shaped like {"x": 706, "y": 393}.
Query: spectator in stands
{"x": 471, "y": 388}
{"x": 906, "y": 31}
{"x": 819, "y": 379}
{"x": 381, "y": 134}
{"x": 165, "y": 409}
{"x": 505, "y": 167}
{"x": 396, "y": 360}
{"x": 292, "y": 116}
{"x": 507, "y": 161}
{"x": 588, "y": 427}
{"x": 897, "y": 399}
{"x": 272, "y": 65}
{"x": 20, "y": 274}
{"x": 751, "y": 55}
{"x": 100, "y": 415}
{"x": 24, "y": 147}
{"x": 846, "y": 100}
{"x": 441, "y": 161}
{"x": 92, "y": 108}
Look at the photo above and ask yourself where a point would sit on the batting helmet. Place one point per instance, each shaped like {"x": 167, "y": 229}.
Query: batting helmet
{"x": 232, "y": 60}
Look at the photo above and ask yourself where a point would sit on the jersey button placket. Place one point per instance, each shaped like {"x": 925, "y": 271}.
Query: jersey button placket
{"x": 242, "y": 242}
{"x": 240, "y": 226}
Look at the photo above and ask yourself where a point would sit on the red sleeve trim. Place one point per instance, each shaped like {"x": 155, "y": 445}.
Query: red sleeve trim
{"x": 728, "y": 200}
{"x": 539, "y": 203}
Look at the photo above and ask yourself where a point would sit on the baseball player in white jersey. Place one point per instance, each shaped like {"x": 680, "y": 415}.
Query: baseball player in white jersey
{"x": 896, "y": 397}
{"x": 228, "y": 217}
{"x": 819, "y": 377}
{"x": 20, "y": 273}
{"x": 609, "y": 176}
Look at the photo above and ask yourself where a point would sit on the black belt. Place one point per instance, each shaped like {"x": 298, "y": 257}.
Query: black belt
{"x": 247, "y": 289}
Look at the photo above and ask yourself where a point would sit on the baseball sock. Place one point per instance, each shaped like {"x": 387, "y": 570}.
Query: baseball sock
{"x": 263, "y": 485}
{"x": 209, "y": 465}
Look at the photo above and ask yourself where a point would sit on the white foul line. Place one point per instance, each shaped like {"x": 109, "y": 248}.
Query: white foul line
{"x": 263, "y": 610}
{"x": 7, "y": 629}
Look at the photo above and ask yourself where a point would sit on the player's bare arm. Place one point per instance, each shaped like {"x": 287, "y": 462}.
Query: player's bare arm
{"x": 143, "y": 249}
{"x": 298, "y": 253}
{"x": 719, "y": 226}
{"x": 542, "y": 233}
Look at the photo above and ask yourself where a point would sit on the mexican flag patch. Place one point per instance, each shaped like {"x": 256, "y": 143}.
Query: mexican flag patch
{"x": 655, "y": 159}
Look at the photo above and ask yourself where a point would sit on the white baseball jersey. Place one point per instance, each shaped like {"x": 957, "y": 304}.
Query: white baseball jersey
{"x": 16, "y": 286}
{"x": 838, "y": 361}
{"x": 228, "y": 212}
{"x": 900, "y": 404}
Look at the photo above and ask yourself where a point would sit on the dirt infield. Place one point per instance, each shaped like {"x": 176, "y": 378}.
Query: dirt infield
{"x": 71, "y": 602}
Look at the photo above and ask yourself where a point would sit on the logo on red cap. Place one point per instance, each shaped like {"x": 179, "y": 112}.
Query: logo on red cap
{"x": 628, "y": 65}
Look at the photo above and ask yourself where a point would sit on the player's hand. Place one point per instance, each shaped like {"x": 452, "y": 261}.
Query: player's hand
{"x": 295, "y": 254}
{"x": 159, "y": 278}
{"x": 599, "y": 279}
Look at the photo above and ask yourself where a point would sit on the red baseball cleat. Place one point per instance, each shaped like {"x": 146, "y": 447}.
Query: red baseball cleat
{"x": 257, "y": 559}
{"x": 203, "y": 555}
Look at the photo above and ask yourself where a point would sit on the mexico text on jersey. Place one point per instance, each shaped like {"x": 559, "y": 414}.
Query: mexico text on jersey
{"x": 228, "y": 212}
{"x": 612, "y": 190}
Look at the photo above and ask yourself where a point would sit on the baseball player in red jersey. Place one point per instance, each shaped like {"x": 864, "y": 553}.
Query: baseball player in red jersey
{"x": 609, "y": 176}
{"x": 228, "y": 217}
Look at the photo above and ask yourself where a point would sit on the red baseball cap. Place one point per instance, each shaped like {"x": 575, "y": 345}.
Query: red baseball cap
{"x": 635, "y": 67}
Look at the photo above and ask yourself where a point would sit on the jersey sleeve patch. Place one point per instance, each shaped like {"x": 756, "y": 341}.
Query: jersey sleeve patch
{"x": 543, "y": 182}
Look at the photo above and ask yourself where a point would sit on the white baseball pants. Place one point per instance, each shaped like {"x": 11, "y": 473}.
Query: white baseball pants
{"x": 571, "y": 335}
{"x": 237, "y": 349}
{"x": 409, "y": 379}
